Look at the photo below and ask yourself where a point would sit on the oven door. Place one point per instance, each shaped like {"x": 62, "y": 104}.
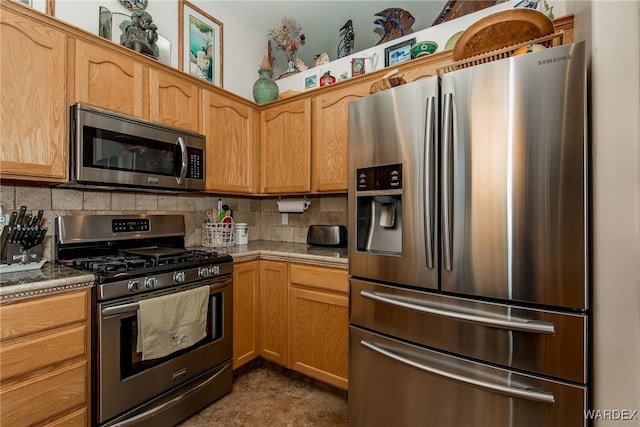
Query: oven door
{"x": 115, "y": 150}
{"x": 124, "y": 380}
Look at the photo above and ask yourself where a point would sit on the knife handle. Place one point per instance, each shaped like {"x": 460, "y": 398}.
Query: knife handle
{"x": 12, "y": 218}
{"x": 23, "y": 210}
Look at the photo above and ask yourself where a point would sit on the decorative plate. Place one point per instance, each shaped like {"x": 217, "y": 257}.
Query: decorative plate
{"x": 135, "y": 4}
{"x": 423, "y": 48}
{"x": 502, "y": 29}
{"x": 452, "y": 41}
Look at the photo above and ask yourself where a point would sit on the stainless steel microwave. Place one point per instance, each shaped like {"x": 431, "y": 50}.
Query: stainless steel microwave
{"x": 112, "y": 150}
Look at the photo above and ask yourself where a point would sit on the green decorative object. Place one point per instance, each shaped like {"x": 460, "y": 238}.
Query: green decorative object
{"x": 265, "y": 89}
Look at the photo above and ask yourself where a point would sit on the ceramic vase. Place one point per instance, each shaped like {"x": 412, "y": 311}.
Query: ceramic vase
{"x": 265, "y": 89}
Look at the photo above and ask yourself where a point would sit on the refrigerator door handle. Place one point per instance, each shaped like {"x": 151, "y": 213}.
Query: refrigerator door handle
{"x": 447, "y": 180}
{"x": 429, "y": 178}
{"x": 519, "y": 393}
{"x": 537, "y": 327}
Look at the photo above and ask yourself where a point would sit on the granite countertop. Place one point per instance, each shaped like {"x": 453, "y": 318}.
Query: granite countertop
{"x": 51, "y": 278}
{"x": 290, "y": 252}
{"x": 54, "y": 278}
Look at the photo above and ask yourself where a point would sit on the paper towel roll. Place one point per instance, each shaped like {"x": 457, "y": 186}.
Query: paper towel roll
{"x": 294, "y": 205}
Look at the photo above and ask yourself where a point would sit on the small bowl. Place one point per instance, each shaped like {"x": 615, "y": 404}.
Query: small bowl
{"x": 423, "y": 48}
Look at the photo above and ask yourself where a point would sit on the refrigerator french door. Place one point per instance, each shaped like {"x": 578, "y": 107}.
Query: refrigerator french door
{"x": 468, "y": 247}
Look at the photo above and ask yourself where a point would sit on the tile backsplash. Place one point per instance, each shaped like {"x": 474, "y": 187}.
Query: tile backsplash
{"x": 265, "y": 222}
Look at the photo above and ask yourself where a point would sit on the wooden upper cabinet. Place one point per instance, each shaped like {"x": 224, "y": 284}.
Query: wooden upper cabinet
{"x": 285, "y": 139}
{"x": 174, "y": 100}
{"x": 109, "y": 79}
{"x": 233, "y": 153}
{"x": 330, "y": 124}
{"x": 33, "y": 110}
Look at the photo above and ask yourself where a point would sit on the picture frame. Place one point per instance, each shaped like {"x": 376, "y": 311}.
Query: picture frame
{"x": 357, "y": 67}
{"x": 311, "y": 82}
{"x": 398, "y": 53}
{"x": 44, "y": 6}
{"x": 200, "y": 43}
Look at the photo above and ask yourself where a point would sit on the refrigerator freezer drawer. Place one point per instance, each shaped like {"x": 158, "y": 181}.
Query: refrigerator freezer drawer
{"x": 401, "y": 385}
{"x": 547, "y": 342}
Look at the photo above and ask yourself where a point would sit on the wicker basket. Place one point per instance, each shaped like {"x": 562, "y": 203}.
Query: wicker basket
{"x": 551, "y": 40}
{"x": 217, "y": 235}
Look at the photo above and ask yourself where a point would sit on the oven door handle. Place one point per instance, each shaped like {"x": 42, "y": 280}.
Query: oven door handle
{"x": 150, "y": 413}
{"x": 120, "y": 309}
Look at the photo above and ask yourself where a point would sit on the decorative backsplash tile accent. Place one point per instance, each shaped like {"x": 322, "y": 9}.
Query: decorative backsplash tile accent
{"x": 265, "y": 222}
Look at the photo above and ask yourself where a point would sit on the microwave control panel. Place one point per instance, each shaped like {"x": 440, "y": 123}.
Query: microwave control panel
{"x": 387, "y": 177}
{"x": 196, "y": 163}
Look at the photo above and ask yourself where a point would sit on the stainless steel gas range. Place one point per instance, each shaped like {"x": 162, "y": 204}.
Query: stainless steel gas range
{"x": 137, "y": 258}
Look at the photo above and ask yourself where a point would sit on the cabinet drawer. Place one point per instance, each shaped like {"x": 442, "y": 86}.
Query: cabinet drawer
{"x": 79, "y": 418}
{"x": 44, "y": 396}
{"x": 331, "y": 279}
{"x": 39, "y": 351}
{"x": 43, "y": 313}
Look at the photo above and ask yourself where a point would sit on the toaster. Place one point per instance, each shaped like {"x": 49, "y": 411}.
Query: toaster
{"x": 327, "y": 235}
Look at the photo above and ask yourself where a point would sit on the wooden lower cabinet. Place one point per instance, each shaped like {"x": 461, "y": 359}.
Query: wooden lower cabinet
{"x": 319, "y": 323}
{"x": 44, "y": 360}
{"x": 246, "y": 325}
{"x": 273, "y": 311}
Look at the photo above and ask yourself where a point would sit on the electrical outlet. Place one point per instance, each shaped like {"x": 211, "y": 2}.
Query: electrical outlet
{"x": 285, "y": 218}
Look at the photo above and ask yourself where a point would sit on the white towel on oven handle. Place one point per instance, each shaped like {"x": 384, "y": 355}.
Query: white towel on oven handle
{"x": 172, "y": 322}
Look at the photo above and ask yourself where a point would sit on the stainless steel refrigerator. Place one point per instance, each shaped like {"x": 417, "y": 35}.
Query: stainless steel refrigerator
{"x": 468, "y": 247}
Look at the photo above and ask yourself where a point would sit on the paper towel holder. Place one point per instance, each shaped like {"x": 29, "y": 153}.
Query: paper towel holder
{"x": 293, "y": 205}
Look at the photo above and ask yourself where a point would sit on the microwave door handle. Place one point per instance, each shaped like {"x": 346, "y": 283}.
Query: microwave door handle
{"x": 185, "y": 163}
{"x": 429, "y": 179}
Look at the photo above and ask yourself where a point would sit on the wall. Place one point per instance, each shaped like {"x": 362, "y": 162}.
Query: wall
{"x": 243, "y": 46}
{"x": 612, "y": 29}
{"x": 261, "y": 214}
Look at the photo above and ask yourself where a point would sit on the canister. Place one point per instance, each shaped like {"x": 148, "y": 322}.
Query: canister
{"x": 241, "y": 233}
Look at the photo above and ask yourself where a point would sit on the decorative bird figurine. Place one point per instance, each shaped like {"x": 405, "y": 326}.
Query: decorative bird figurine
{"x": 395, "y": 22}
{"x": 347, "y": 41}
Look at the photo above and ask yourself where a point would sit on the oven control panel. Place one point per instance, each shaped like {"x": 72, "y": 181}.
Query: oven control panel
{"x": 129, "y": 225}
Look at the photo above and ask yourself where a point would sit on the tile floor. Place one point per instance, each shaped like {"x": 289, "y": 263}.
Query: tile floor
{"x": 268, "y": 396}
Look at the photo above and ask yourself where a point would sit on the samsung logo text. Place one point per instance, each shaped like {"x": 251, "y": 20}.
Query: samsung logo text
{"x": 556, "y": 59}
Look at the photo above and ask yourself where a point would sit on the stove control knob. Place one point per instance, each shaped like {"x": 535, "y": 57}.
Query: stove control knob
{"x": 203, "y": 272}
{"x": 179, "y": 277}
{"x": 215, "y": 270}
{"x": 150, "y": 282}
{"x": 134, "y": 285}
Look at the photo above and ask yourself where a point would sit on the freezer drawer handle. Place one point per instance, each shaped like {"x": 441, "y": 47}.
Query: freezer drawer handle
{"x": 536, "y": 396}
{"x": 513, "y": 325}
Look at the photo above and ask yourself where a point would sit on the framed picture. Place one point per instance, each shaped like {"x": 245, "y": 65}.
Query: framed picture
{"x": 398, "y": 53}
{"x": 357, "y": 67}
{"x": 44, "y": 6}
{"x": 200, "y": 43}
{"x": 311, "y": 81}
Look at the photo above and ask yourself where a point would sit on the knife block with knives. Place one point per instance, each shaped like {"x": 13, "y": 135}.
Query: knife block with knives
{"x": 21, "y": 239}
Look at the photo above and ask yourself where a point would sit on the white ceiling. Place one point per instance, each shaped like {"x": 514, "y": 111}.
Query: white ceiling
{"x": 321, "y": 20}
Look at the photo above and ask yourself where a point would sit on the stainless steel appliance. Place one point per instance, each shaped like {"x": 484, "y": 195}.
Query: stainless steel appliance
{"x": 468, "y": 247}
{"x": 114, "y": 150}
{"x": 327, "y": 235}
{"x": 137, "y": 257}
